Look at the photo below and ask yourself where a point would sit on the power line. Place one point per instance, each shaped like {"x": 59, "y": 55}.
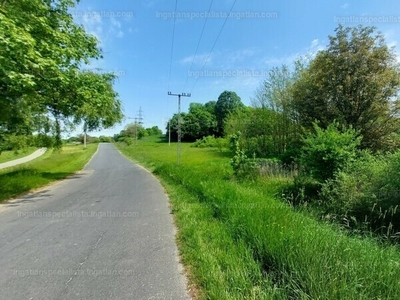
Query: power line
{"x": 172, "y": 51}
{"x": 215, "y": 42}
{"x": 172, "y": 45}
{"x": 198, "y": 43}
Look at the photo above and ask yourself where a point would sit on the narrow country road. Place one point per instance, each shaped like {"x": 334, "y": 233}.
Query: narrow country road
{"x": 104, "y": 233}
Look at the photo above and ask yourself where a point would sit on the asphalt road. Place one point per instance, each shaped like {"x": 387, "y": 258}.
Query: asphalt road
{"x": 25, "y": 159}
{"x": 104, "y": 233}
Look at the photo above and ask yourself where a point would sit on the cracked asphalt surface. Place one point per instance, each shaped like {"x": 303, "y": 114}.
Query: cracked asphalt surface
{"x": 104, "y": 233}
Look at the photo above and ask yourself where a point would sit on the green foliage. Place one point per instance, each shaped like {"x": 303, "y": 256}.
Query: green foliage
{"x": 328, "y": 151}
{"x": 154, "y": 131}
{"x": 40, "y": 77}
{"x": 228, "y": 102}
{"x": 199, "y": 122}
{"x": 239, "y": 157}
{"x": 16, "y": 142}
{"x": 366, "y": 194}
{"x": 44, "y": 140}
{"x": 135, "y": 131}
{"x": 128, "y": 140}
{"x": 354, "y": 81}
{"x": 211, "y": 142}
{"x": 99, "y": 105}
{"x": 105, "y": 139}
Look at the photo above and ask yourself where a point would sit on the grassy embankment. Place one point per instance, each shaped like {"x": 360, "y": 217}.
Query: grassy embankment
{"x": 11, "y": 155}
{"x": 53, "y": 165}
{"x": 239, "y": 242}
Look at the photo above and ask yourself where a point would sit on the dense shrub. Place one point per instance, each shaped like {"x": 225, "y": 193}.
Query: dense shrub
{"x": 211, "y": 142}
{"x": 43, "y": 140}
{"x": 366, "y": 194}
{"x": 327, "y": 151}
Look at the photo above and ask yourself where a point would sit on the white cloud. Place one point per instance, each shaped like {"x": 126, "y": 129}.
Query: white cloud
{"x": 392, "y": 40}
{"x": 309, "y": 51}
{"x": 240, "y": 55}
{"x": 199, "y": 59}
{"x": 345, "y": 6}
{"x": 115, "y": 23}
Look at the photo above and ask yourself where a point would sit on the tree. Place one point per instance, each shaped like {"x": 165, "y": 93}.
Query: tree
{"x": 275, "y": 95}
{"x": 154, "y": 131}
{"x": 210, "y": 107}
{"x": 98, "y": 105}
{"x": 356, "y": 82}
{"x": 228, "y": 102}
{"x": 197, "y": 123}
{"x": 134, "y": 130}
{"x": 41, "y": 53}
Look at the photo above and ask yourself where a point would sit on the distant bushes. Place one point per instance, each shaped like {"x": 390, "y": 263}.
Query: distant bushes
{"x": 16, "y": 143}
{"x": 211, "y": 142}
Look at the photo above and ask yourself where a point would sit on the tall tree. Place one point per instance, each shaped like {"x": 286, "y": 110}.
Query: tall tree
{"x": 275, "y": 94}
{"x": 197, "y": 123}
{"x": 354, "y": 81}
{"x": 228, "y": 102}
{"x": 98, "y": 104}
{"x": 41, "y": 52}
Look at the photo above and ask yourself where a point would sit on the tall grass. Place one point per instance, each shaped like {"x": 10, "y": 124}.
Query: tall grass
{"x": 240, "y": 242}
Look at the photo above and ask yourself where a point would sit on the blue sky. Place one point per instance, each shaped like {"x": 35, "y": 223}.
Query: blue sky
{"x": 136, "y": 39}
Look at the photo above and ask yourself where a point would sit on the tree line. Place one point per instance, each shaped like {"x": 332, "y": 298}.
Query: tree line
{"x": 205, "y": 119}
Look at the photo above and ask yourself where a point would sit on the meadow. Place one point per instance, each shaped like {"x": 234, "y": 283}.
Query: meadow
{"x": 51, "y": 166}
{"x": 11, "y": 155}
{"x": 239, "y": 240}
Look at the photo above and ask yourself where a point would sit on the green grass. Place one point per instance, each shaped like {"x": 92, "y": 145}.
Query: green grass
{"x": 53, "y": 165}
{"x": 6, "y": 156}
{"x": 239, "y": 241}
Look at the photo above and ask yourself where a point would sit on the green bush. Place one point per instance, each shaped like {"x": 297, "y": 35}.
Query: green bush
{"x": 328, "y": 151}
{"x": 105, "y": 139}
{"x": 127, "y": 140}
{"x": 43, "y": 140}
{"x": 366, "y": 194}
{"x": 211, "y": 142}
{"x": 16, "y": 142}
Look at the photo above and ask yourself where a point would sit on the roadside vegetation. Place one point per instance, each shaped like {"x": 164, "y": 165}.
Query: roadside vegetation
{"x": 297, "y": 195}
{"x": 239, "y": 240}
{"x": 53, "y": 165}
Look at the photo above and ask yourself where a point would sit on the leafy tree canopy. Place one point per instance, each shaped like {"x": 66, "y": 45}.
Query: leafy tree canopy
{"x": 354, "y": 81}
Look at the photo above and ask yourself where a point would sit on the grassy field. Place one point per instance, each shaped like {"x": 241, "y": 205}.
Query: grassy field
{"x": 11, "y": 155}
{"x": 53, "y": 165}
{"x": 239, "y": 241}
